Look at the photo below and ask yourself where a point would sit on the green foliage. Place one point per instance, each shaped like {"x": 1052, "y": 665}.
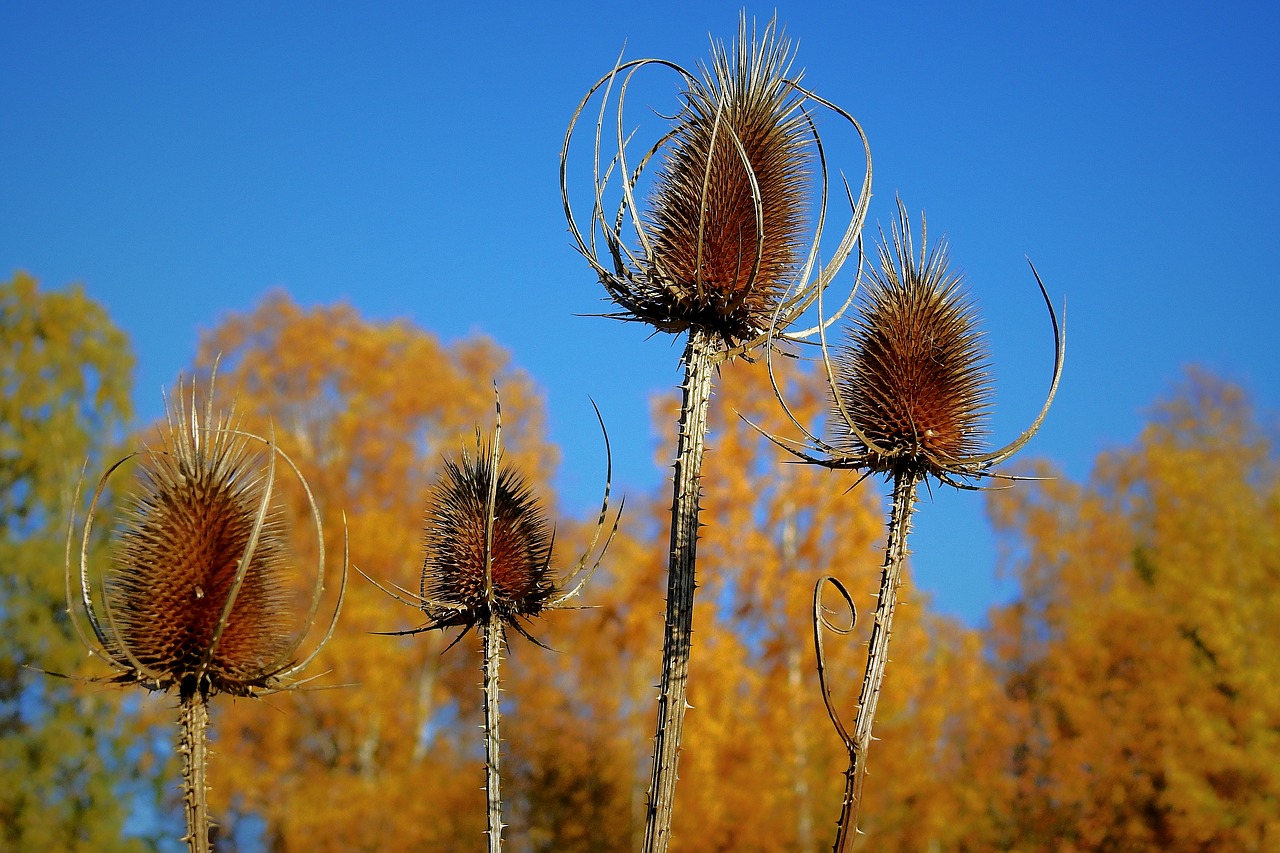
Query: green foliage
{"x": 64, "y": 383}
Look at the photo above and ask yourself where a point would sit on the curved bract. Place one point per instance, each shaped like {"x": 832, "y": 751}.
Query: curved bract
{"x": 195, "y": 593}
{"x": 726, "y": 234}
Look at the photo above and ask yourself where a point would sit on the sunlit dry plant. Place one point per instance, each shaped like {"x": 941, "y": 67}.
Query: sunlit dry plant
{"x": 726, "y": 238}
{"x": 488, "y": 554}
{"x": 910, "y": 395}
{"x": 196, "y": 595}
{"x": 713, "y": 229}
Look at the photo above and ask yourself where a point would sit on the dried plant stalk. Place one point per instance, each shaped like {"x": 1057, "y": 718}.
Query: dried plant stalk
{"x": 193, "y": 727}
{"x": 910, "y": 395}
{"x": 194, "y": 597}
{"x": 719, "y": 248}
{"x": 858, "y": 744}
{"x": 682, "y": 557}
{"x": 492, "y": 631}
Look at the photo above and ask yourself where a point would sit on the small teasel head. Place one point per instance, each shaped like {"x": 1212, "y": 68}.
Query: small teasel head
{"x": 722, "y": 234}
{"x": 910, "y": 387}
{"x": 197, "y": 591}
{"x": 488, "y": 546}
{"x": 911, "y": 384}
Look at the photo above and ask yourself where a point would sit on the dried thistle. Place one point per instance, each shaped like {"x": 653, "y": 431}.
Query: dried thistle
{"x": 721, "y": 242}
{"x": 459, "y": 585}
{"x": 488, "y": 552}
{"x": 194, "y": 597}
{"x": 910, "y": 394}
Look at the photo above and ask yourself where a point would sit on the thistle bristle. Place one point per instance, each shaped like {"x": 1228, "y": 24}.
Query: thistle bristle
{"x": 453, "y": 574}
{"x": 181, "y": 543}
{"x": 711, "y": 265}
{"x": 912, "y": 378}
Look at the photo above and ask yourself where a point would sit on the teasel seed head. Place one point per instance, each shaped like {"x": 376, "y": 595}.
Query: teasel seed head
{"x": 723, "y": 238}
{"x": 910, "y": 388}
{"x": 196, "y": 594}
{"x": 727, "y": 212}
{"x": 473, "y": 568}
{"x": 489, "y": 547}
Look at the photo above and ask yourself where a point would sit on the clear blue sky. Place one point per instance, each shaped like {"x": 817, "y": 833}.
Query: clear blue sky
{"x": 181, "y": 162}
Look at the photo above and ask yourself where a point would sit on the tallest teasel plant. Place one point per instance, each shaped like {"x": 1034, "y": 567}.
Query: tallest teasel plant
{"x": 711, "y": 230}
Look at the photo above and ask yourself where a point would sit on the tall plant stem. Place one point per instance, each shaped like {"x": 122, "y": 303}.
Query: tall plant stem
{"x": 698, "y": 367}
{"x": 492, "y": 742}
{"x": 193, "y": 720}
{"x": 895, "y": 556}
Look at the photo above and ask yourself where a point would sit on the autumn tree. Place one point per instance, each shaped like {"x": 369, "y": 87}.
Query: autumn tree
{"x": 1141, "y": 656}
{"x": 65, "y": 375}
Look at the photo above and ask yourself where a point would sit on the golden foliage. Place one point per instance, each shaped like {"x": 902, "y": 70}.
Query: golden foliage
{"x": 1126, "y": 699}
{"x": 1141, "y": 659}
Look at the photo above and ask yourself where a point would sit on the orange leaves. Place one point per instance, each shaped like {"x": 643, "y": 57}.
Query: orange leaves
{"x": 1126, "y": 699}
{"x": 1142, "y": 658}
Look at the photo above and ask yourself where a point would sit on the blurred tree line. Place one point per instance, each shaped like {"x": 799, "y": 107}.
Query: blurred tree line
{"x": 1127, "y": 699}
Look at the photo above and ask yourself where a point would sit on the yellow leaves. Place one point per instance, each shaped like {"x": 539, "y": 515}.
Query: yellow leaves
{"x": 1144, "y": 650}
{"x": 1128, "y": 698}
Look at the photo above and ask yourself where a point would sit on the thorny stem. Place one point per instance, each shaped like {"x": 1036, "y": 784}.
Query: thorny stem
{"x": 193, "y": 720}
{"x": 492, "y": 631}
{"x": 904, "y": 499}
{"x": 680, "y": 586}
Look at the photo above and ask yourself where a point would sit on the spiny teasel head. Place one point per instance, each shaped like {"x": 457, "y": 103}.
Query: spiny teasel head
{"x": 488, "y": 545}
{"x": 196, "y": 594}
{"x": 910, "y": 389}
{"x": 911, "y": 385}
{"x": 472, "y": 567}
{"x": 726, "y": 231}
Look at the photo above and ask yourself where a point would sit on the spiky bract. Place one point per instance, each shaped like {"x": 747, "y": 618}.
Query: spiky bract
{"x": 466, "y": 575}
{"x": 911, "y": 385}
{"x": 187, "y": 528}
{"x": 727, "y": 209}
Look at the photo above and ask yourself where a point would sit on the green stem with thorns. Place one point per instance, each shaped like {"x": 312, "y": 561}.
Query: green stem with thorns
{"x": 681, "y": 584}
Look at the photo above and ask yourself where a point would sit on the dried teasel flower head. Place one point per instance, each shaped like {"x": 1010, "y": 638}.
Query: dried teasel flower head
{"x": 722, "y": 237}
{"x": 910, "y": 389}
{"x": 472, "y": 566}
{"x": 488, "y": 546}
{"x": 196, "y": 592}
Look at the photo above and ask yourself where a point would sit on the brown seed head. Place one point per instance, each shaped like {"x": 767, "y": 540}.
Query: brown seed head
{"x": 464, "y": 578}
{"x": 717, "y": 225}
{"x": 727, "y": 210}
{"x": 912, "y": 391}
{"x": 187, "y": 528}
